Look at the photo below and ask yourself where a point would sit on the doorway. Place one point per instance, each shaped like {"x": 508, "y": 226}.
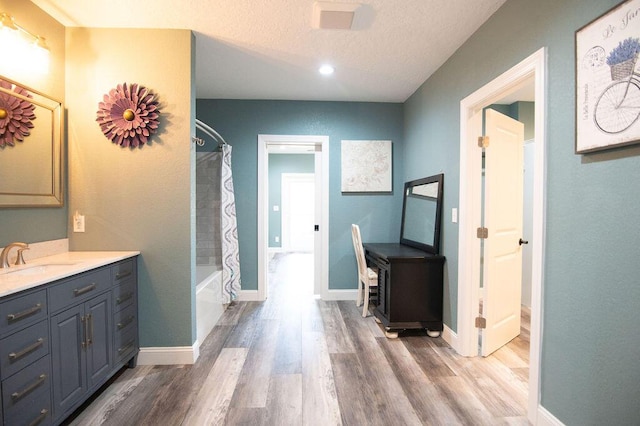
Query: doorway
{"x": 317, "y": 147}
{"x": 529, "y": 71}
{"x": 298, "y": 211}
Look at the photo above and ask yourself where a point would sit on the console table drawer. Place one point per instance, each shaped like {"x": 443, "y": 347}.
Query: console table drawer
{"x": 20, "y": 311}
{"x": 79, "y": 289}
{"x": 23, "y": 348}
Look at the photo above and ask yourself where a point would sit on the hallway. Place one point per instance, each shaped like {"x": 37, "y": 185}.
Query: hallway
{"x": 295, "y": 360}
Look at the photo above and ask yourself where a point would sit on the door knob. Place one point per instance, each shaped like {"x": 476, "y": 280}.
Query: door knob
{"x": 521, "y": 242}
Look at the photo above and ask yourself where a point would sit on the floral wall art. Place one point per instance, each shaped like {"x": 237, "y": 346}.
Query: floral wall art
{"x": 16, "y": 114}
{"x": 607, "y": 80}
{"x": 128, "y": 115}
{"x": 366, "y": 166}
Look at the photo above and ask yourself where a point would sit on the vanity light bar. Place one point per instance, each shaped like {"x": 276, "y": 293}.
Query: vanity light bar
{"x": 9, "y": 23}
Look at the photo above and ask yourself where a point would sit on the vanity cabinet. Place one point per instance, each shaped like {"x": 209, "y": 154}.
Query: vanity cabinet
{"x": 25, "y": 367}
{"x": 409, "y": 286}
{"x": 61, "y": 341}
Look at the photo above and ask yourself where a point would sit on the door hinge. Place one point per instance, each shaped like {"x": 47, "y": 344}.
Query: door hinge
{"x": 483, "y": 233}
{"x": 483, "y": 141}
{"x": 481, "y": 322}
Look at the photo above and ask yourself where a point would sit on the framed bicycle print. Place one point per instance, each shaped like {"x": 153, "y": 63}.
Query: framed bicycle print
{"x": 608, "y": 80}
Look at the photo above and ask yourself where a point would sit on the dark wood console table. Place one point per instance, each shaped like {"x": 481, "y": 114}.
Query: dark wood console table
{"x": 409, "y": 287}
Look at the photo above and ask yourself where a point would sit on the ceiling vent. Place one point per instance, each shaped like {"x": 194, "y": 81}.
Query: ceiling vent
{"x": 333, "y": 16}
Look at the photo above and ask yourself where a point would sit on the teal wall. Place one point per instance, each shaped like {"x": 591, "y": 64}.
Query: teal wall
{"x": 240, "y": 122}
{"x": 278, "y": 164}
{"x": 591, "y": 298}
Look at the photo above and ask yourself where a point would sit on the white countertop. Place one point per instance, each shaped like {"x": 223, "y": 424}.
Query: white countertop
{"x": 51, "y": 268}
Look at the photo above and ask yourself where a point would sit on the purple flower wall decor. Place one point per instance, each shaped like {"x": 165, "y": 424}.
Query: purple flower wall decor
{"x": 16, "y": 114}
{"x": 128, "y": 115}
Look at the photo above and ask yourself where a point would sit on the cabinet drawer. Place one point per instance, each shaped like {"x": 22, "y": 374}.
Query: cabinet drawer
{"x": 126, "y": 345}
{"x": 23, "y": 310}
{"x": 38, "y": 413}
{"x": 122, "y": 271}
{"x": 124, "y": 295}
{"x": 22, "y": 348}
{"x": 125, "y": 320}
{"x": 79, "y": 289}
{"x": 29, "y": 388}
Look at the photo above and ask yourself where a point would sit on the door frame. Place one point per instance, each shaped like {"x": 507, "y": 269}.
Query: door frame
{"x": 321, "y": 249}
{"x": 470, "y": 205}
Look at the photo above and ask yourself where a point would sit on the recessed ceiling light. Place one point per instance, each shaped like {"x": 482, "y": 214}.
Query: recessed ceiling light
{"x": 326, "y": 70}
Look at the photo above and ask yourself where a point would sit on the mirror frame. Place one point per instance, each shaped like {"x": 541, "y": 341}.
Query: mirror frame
{"x": 54, "y": 197}
{"x": 430, "y": 248}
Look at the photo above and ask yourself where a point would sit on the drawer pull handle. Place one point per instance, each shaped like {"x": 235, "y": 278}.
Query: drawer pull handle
{"x": 40, "y": 418}
{"x": 124, "y": 298}
{"x": 24, "y": 314}
{"x": 16, "y": 396}
{"x": 80, "y": 291}
{"x": 126, "y": 347}
{"x": 13, "y": 356}
{"x": 120, "y": 275}
{"x": 126, "y": 322}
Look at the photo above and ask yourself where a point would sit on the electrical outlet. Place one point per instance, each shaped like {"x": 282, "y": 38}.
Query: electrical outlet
{"x": 78, "y": 222}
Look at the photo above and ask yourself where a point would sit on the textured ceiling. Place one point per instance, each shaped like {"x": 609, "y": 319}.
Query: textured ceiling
{"x": 267, "y": 49}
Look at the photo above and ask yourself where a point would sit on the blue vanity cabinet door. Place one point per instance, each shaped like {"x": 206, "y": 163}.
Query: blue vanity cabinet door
{"x": 68, "y": 360}
{"x": 81, "y": 342}
{"x": 99, "y": 359}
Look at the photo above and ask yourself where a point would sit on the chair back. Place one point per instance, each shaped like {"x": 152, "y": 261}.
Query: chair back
{"x": 357, "y": 247}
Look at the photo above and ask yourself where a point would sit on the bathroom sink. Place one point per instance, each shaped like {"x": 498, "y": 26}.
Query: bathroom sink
{"x": 39, "y": 269}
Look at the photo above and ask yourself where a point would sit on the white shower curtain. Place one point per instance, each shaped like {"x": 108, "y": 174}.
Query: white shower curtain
{"x": 229, "y": 231}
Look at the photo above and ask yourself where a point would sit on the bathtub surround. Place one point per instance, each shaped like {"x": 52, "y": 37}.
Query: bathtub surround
{"x": 209, "y": 306}
{"x": 208, "y": 247}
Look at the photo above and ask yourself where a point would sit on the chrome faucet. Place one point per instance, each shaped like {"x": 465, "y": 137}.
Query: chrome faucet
{"x": 4, "y": 256}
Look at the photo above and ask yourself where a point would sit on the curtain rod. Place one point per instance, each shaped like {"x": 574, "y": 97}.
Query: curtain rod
{"x": 209, "y": 131}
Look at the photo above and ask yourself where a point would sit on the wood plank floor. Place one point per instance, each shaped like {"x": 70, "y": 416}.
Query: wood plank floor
{"x": 297, "y": 360}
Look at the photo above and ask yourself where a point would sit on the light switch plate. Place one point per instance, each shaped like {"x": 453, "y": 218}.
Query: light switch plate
{"x": 454, "y": 215}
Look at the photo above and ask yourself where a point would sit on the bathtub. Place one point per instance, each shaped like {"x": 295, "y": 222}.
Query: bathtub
{"x": 208, "y": 305}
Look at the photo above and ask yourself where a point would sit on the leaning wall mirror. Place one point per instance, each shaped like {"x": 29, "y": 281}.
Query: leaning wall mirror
{"x": 421, "y": 213}
{"x": 31, "y": 172}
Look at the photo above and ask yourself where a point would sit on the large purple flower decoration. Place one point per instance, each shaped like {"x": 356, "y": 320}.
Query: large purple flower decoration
{"x": 128, "y": 115}
{"x": 15, "y": 114}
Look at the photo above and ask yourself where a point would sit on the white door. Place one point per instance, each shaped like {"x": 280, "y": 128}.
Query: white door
{"x": 502, "y": 273}
{"x": 298, "y": 211}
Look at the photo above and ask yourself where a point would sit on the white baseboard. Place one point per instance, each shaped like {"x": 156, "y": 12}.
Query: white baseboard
{"x": 450, "y": 336}
{"x": 545, "y": 418}
{"x": 340, "y": 295}
{"x": 248, "y": 296}
{"x": 173, "y": 355}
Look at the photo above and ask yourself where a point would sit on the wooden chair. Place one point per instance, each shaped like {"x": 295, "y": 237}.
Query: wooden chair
{"x": 367, "y": 277}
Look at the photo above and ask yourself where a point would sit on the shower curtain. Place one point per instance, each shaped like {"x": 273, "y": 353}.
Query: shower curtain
{"x": 229, "y": 231}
